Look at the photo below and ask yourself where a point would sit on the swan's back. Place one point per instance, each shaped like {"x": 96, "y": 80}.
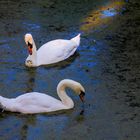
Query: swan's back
{"x": 35, "y": 102}
{"x": 56, "y": 50}
{"x": 35, "y": 98}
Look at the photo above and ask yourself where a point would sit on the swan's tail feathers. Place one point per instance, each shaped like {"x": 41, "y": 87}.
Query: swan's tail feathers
{"x": 1, "y": 108}
{"x": 76, "y": 39}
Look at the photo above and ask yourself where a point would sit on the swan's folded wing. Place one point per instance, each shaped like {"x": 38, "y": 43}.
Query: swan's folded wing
{"x": 55, "y": 51}
{"x": 37, "y": 103}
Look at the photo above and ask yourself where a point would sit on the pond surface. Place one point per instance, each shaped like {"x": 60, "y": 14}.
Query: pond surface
{"x": 106, "y": 63}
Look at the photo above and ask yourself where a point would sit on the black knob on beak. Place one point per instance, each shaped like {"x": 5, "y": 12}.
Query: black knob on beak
{"x": 82, "y": 94}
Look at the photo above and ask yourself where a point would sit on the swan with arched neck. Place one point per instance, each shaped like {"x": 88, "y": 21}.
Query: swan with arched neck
{"x": 35, "y": 102}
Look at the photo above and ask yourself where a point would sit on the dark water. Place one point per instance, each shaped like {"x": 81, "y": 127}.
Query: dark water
{"x": 107, "y": 63}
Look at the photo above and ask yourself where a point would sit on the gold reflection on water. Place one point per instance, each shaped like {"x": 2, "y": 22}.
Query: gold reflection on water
{"x": 98, "y": 17}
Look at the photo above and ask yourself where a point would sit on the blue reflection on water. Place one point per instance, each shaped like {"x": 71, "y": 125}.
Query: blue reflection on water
{"x": 109, "y": 13}
{"x": 31, "y": 26}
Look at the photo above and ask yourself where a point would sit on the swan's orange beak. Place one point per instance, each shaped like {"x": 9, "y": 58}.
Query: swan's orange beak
{"x": 82, "y": 94}
{"x": 30, "y": 47}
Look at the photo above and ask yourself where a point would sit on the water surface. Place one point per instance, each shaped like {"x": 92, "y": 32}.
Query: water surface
{"x": 106, "y": 64}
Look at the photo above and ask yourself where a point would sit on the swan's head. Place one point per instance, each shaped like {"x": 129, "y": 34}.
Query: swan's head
{"x": 76, "y": 86}
{"x": 29, "y": 42}
{"x": 79, "y": 89}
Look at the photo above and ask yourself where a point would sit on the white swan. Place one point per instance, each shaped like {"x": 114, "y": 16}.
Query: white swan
{"x": 35, "y": 102}
{"x": 51, "y": 52}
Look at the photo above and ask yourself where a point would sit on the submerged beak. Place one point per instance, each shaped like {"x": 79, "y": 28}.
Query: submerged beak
{"x": 30, "y": 47}
{"x": 82, "y": 94}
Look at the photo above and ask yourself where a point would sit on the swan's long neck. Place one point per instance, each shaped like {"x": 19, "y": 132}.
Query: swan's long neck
{"x": 66, "y": 100}
{"x": 33, "y": 57}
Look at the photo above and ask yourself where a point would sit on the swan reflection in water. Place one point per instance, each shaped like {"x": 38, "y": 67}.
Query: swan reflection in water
{"x": 32, "y": 72}
{"x": 63, "y": 64}
{"x": 31, "y": 79}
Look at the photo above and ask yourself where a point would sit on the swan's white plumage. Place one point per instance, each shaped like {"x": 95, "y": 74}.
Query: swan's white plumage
{"x": 51, "y": 52}
{"x": 57, "y": 50}
{"x": 35, "y": 102}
